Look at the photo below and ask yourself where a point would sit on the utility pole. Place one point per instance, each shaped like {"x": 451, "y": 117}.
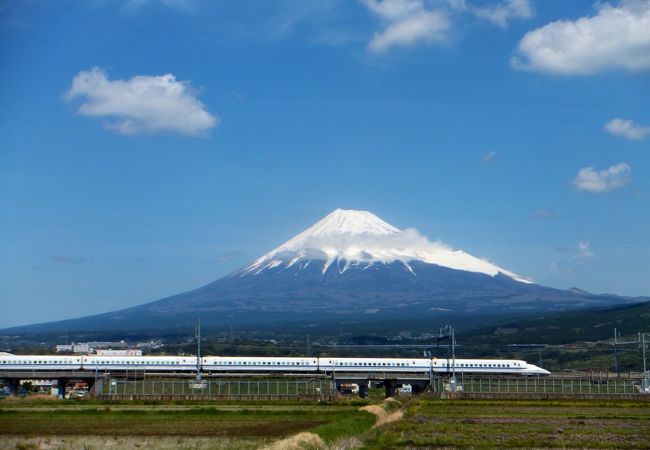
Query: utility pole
{"x": 640, "y": 340}
{"x": 453, "y": 357}
{"x": 449, "y": 332}
{"x": 645, "y": 383}
{"x": 616, "y": 353}
{"x": 198, "y": 350}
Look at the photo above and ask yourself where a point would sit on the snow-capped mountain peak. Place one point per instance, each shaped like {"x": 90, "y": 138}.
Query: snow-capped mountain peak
{"x": 361, "y": 239}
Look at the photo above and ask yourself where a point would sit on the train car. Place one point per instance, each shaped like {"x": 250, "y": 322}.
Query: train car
{"x": 39, "y": 362}
{"x": 333, "y": 364}
{"x": 490, "y": 366}
{"x": 145, "y": 363}
{"x": 259, "y": 364}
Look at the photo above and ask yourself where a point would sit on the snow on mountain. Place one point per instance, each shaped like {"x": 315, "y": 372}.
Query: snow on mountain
{"x": 360, "y": 239}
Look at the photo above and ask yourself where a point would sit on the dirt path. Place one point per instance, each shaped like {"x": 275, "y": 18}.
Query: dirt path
{"x": 297, "y": 442}
{"x": 383, "y": 416}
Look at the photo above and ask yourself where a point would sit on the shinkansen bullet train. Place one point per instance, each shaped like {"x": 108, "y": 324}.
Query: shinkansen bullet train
{"x": 252, "y": 364}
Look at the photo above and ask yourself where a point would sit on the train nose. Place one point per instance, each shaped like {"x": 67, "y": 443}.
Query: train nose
{"x": 533, "y": 369}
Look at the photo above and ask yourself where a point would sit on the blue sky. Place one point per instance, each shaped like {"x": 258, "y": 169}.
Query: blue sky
{"x": 149, "y": 147}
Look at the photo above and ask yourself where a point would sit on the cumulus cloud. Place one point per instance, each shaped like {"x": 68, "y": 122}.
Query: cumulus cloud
{"x": 584, "y": 250}
{"x": 591, "y": 180}
{"x": 407, "y": 22}
{"x": 627, "y": 129}
{"x": 142, "y": 104}
{"x": 410, "y": 22}
{"x": 617, "y": 37}
{"x": 502, "y": 13}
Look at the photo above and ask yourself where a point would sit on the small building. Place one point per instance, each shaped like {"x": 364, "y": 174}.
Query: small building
{"x": 111, "y": 352}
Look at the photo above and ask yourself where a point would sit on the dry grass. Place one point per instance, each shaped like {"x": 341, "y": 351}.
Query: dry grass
{"x": 127, "y": 442}
{"x": 30, "y": 398}
{"x": 297, "y": 442}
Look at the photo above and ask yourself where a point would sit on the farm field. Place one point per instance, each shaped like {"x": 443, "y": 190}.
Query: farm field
{"x": 435, "y": 423}
{"x": 419, "y": 422}
{"x": 72, "y": 425}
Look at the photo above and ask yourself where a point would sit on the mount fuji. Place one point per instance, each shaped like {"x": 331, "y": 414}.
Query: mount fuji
{"x": 358, "y": 240}
{"x": 349, "y": 266}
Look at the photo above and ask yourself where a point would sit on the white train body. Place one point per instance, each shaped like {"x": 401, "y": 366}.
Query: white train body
{"x": 332, "y": 364}
{"x": 490, "y": 366}
{"x": 253, "y": 364}
{"x": 258, "y": 364}
{"x": 40, "y": 362}
{"x": 145, "y": 363}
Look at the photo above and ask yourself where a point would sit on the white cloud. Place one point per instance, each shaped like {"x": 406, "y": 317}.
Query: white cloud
{"x": 604, "y": 180}
{"x": 584, "y": 250}
{"x": 410, "y": 22}
{"x": 489, "y": 156}
{"x": 142, "y": 104}
{"x": 389, "y": 243}
{"x": 617, "y": 37}
{"x": 627, "y": 129}
{"x": 407, "y": 22}
{"x": 501, "y": 13}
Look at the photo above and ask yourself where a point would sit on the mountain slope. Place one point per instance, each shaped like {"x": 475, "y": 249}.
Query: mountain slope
{"x": 566, "y": 327}
{"x": 350, "y": 266}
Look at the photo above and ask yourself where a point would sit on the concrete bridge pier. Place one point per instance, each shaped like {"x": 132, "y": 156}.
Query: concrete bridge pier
{"x": 363, "y": 390}
{"x": 390, "y": 387}
{"x": 14, "y": 385}
{"x": 61, "y": 383}
{"x": 96, "y": 387}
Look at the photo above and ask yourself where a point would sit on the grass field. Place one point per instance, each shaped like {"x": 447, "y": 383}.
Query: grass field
{"x": 425, "y": 423}
{"x": 173, "y": 425}
{"x": 432, "y": 423}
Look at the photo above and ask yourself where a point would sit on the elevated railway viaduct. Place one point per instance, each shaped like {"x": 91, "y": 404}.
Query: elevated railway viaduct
{"x": 338, "y": 380}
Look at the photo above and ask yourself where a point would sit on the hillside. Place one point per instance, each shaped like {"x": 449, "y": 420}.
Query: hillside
{"x": 565, "y": 327}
